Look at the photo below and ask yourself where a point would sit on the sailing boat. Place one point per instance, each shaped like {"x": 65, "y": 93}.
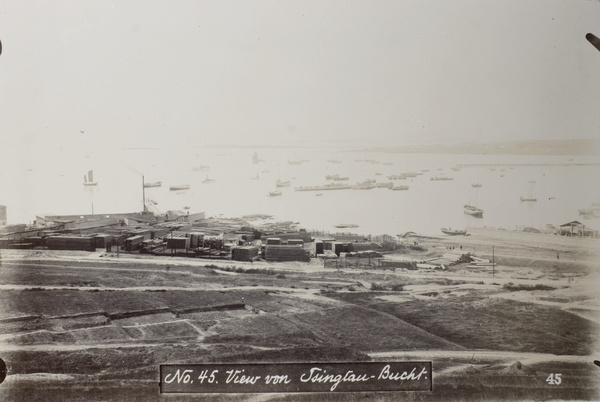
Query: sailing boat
{"x": 88, "y": 180}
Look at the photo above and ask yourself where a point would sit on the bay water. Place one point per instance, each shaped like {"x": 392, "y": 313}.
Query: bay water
{"x": 51, "y": 182}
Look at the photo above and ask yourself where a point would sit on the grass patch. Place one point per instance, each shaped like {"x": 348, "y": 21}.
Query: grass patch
{"x": 519, "y": 287}
{"x": 495, "y": 324}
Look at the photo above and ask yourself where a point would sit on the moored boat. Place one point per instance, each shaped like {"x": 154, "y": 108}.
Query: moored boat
{"x": 274, "y": 193}
{"x": 281, "y": 183}
{"x": 179, "y": 187}
{"x": 153, "y": 184}
{"x": 365, "y": 185}
{"x": 255, "y": 158}
{"x": 399, "y": 188}
{"x": 473, "y": 211}
{"x": 528, "y": 198}
{"x": 336, "y": 177}
{"x": 331, "y": 186}
{"x": 88, "y": 180}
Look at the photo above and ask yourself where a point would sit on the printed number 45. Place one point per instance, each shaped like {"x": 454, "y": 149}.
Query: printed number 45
{"x": 554, "y": 379}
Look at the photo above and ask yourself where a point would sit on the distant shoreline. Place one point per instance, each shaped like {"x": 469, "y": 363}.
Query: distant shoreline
{"x": 565, "y": 147}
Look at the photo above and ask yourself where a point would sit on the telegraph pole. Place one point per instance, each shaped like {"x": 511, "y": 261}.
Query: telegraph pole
{"x": 143, "y": 194}
{"x": 493, "y": 263}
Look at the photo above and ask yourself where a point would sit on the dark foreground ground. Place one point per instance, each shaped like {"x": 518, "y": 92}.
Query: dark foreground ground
{"x": 97, "y": 329}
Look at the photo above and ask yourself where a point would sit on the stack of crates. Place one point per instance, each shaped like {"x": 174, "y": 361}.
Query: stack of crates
{"x": 134, "y": 242}
{"x": 103, "y": 240}
{"x": 286, "y": 253}
{"x": 86, "y": 243}
{"x": 244, "y": 253}
{"x": 178, "y": 242}
{"x": 196, "y": 240}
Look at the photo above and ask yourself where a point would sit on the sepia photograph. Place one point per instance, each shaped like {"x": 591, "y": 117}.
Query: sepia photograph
{"x": 300, "y": 200}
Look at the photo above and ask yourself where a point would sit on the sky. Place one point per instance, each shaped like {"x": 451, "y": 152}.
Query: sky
{"x": 195, "y": 73}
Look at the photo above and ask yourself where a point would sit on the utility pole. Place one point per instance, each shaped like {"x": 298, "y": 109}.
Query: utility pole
{"x": 143, "y": 194}
{"x": 493, "y": 263}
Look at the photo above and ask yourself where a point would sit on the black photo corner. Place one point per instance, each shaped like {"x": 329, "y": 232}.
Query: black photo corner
{"x": 590, "y": 37}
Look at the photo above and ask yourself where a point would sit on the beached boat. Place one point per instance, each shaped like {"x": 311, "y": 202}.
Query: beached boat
{"x": 153, "y": 184}
{"x": 473, "y": 211}
{"x": 179, "y": 187}
{"x": 454, "y": 232}
{"x": 88, "y": 180}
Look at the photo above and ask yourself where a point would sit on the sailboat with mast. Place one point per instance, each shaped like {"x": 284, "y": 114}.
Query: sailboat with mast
{"x": 88, "y": 180}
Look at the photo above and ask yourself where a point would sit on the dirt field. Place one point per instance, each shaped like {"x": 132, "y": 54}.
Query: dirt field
{"x": 80, "y": 326}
